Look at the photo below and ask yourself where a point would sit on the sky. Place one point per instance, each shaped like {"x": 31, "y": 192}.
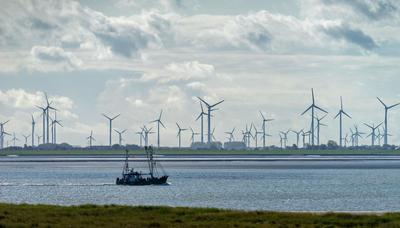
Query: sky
{"x": 136, "y": 57}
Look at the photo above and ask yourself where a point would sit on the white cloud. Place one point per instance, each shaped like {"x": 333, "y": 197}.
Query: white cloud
{"x": 184, "y": 71}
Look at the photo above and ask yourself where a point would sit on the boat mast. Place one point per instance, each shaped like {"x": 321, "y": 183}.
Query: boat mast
{"x": 126, "y": 166}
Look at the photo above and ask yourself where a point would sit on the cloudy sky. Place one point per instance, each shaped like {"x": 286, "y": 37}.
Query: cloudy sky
{"x": 136, "y": 57}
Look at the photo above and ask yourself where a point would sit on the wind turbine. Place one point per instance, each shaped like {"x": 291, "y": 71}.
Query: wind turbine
{"x": 48, "y": 107}
{"x": 209, "y": 110}
{"x": 90, "y": 138}
{"x": 158, "y": 121}
{"x": 285, "y": 137}
{"x": 298, "y": 137}
{"x": 345, "y": 140}
{"x": 2, "y": 133}
{"x": 33, "y": 131}
{"x": 120, "y": 136}
{"x": 248, "y": 134}
{"x": 379, "y": 136}
{"x": 38, "y": 138}
{"x": 340, "y": 114}
{"x": 201, "y": 117}
{"x": 230, "y": 133}
{"x": 264, "y": 121}
{"x": 357, "y": 134}
{"x": 319, "y": 124}
{"x": 193, "y": 134}
{"x": 373, "y": 135}
{"x": 44, "y": 110}
{"x": 312, "y": 107}
{"x": 140, "y": 133}
{"x": 14, "y": 139}
{"x": 179, "y": 133}
{"x": 281, "y": 140}
{"x": 256, "y": 133}
{"x": 54, "y": 127}
{"x": 146, "y": 132}
{"x": 304, "y": 135}
{"x": 110, "y": 125}
{"x": 26, "y": 139}
{"x": 212, "y": 134}
{"x": 385, "y": 134}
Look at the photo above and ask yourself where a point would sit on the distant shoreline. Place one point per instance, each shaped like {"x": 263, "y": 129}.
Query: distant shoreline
{"x": 188, "y": 152}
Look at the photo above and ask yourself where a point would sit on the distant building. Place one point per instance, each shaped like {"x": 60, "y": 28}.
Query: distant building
{"x": 206, "y": 146}
{"x": 236, "y": 145}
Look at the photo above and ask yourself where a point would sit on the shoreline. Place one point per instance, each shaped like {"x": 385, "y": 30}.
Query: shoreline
{"x": 196, "y": 158}
{"x": 161, "y": 216}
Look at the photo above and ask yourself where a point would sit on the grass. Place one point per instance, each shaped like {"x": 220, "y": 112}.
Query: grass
{"x": 148, "y": 216}
{"x": 198, "y": 152}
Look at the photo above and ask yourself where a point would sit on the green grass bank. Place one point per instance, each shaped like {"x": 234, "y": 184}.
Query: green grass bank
{"x": 199, "y": 152}
{"x": 147, "y": 216}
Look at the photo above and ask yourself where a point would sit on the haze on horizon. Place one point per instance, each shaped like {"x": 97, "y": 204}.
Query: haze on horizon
{"x": 137, "y": 57}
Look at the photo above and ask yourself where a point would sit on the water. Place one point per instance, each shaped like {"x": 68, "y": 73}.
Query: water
{"x": 265, "y": 185}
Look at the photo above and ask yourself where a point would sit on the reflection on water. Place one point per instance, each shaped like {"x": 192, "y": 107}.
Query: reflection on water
{"x": 279, "y": 185}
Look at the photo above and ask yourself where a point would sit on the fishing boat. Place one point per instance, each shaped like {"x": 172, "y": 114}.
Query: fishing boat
{"x": 133, "y": 177}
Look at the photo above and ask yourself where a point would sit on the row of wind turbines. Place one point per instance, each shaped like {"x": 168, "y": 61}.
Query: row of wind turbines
{"x": 310, "y": 137}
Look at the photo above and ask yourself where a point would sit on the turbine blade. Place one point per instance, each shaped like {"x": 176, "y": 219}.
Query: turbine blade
{"x": 216, "y": 104}
{"x": 204, "y": 101}
{"x": 306, "y": 110}
{"x": 320, "y": 109}
{"x": 392, "y": 106}
{"x": 337, "y": 115}
{"x": 346, "y": 114}
{"x": 368, "y": 126}
{"x": 381, "y": 102}
{"x": 262, "y": 115}
{"x": 115, "y": 117}
{"x": 162, "y": 124}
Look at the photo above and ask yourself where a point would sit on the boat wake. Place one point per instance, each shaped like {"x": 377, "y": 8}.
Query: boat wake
{"x": 54, "y": 185}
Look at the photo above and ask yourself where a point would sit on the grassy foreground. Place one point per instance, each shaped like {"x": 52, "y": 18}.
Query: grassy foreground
{"x": 199, "y": 152}
{"x": 145, "y": 216}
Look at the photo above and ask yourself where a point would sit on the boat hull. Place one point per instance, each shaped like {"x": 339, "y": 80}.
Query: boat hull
{"x": 143, "y": 181}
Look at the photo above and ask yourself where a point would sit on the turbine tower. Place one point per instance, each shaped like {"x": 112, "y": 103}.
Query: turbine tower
{"x": 284, "y": 138}
{"x": 90, "y": 138}
{"x": 373, "y": 135}
{"x": 14, "y": 139}
{"x": 357, "y": 134}
{"x": 201, "y": 115}
{"x": 44, "y": 123}
{"x": 140, "y": 133}
{"x": 2, "y": 133}
{"x": 33, "y": 131}
{"x": 48, "y": 107}
{"x": 319, "y": 124}
{"x": 54, "y": 128}
{"x": 340, "y": 114}
{"x": 158, "y": 121}
{"x": 298, "y": 137}
{"x": 264, "y": 128}
{"x": 385, "y": 133}
{"x": 209, "y": 110}
{"x": 193, "y": 134}
{"x": 38, "y": 139}
{"x": 110, "y": 126}
{"x": 120, "y": 136}
{"x": 179, "y": 133}
{"x": 146, "y": 134}
{"x": 312, "y": 107}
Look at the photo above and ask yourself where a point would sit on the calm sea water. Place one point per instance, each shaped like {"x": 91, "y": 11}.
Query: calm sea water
{"x": 249, "y": 185}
